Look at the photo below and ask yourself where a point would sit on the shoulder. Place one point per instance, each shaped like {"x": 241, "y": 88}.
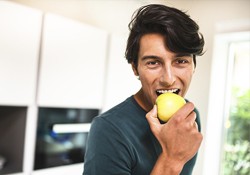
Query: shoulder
{"x": 120, "y": 112}
{"x": 121, "y": 121}
{"x": 111, "y": 119}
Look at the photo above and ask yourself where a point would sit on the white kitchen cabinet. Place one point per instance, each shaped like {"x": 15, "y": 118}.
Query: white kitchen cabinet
{"x": 20, "y": 29}
{"x": 120, "y": 80}
{"x": 72, "y": 64}
{"x": 45, "y": 61}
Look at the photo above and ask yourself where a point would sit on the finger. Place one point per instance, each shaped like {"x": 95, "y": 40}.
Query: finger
{"x": 152, "y": 115}
{"x": 152, "y": 119}
{"x": 191, "y": 117}
{"x": 190, "y": 120}
{"x": 189, "y": 108}
{"x": 184, "y": 111}
{"x": 196, "y": 126}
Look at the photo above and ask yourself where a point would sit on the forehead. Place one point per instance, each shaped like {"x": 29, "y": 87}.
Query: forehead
{"x": 152, "y": 39}
{"x": 155, "y": 44}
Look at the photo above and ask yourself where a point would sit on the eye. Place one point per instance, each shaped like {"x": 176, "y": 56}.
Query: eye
{"x": 182, "y": 61}
{"x": 153, "y": 64}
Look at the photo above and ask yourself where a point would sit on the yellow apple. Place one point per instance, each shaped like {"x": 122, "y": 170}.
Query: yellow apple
{"x": 167, "y": 104}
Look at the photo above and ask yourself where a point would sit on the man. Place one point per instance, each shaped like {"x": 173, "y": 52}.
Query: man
{"x": 129, "y": 139}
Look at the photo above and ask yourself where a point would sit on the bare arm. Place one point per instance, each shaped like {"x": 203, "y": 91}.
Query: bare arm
{"x": 179, "y": 139}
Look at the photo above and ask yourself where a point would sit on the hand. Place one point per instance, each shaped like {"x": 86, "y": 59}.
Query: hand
{"x": 179, "y": 137}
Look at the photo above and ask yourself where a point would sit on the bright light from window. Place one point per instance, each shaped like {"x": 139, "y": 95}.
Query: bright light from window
{"x": 236, "y": 149}
{"x": 227, "y": 138}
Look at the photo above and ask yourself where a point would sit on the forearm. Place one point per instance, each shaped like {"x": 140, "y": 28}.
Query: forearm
{"x": 166, "y": 166}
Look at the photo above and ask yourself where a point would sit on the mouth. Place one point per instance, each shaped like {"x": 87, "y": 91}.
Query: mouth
{"x": 175, "y": 91}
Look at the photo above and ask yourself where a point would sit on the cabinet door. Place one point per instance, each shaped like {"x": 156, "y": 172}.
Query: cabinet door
{"x": 120, "y": 80}
{"x": 20, "y": 29}
{"x": 72, "y": 64}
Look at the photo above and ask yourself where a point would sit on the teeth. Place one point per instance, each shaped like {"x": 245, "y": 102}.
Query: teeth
{"x": 170, "y": 90}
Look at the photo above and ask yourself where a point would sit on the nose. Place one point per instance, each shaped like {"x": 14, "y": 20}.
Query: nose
{"x": 168, "y": 76}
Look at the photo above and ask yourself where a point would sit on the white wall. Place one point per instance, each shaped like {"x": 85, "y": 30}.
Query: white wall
{"x": 213, "y": 16}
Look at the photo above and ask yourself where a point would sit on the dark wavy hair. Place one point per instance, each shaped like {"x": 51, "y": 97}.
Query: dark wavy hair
{"x": 180, "y": 31}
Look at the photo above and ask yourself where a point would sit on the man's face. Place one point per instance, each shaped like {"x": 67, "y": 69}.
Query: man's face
{"x": 161, "y": 70}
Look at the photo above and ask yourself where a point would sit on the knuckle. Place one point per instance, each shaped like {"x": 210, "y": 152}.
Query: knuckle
{"x": 190, "y": 105}
{"x": 199, "y": 137}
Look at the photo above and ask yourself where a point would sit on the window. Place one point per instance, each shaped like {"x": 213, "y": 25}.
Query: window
{"x": 236, "y": 147}
{"x": 227, "y": 139}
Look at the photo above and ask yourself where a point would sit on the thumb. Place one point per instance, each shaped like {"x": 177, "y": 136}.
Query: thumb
{"x": 153, "y": 121}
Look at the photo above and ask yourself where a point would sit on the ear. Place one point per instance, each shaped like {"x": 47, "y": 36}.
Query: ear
{"x": 134, "y": 69}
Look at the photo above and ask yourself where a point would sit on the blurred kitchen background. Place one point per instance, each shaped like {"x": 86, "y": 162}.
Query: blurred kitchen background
{"x": 62, "y": 63}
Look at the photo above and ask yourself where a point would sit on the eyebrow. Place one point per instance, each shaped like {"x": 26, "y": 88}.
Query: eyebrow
{"x": 158, "y": 57}
{"x": 150, "y": 56}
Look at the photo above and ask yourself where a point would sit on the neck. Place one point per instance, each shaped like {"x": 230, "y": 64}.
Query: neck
{"x": 142, "y": 101}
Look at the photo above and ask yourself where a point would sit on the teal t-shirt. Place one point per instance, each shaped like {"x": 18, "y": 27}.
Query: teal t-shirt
{"x": 120, "y": 142}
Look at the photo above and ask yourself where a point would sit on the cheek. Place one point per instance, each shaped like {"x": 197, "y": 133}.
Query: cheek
{"x": 187, "y": 77}
{"x": 149, "y": 82}
{"x": 148, "y": 77}
{"x": 145, "y": 80}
